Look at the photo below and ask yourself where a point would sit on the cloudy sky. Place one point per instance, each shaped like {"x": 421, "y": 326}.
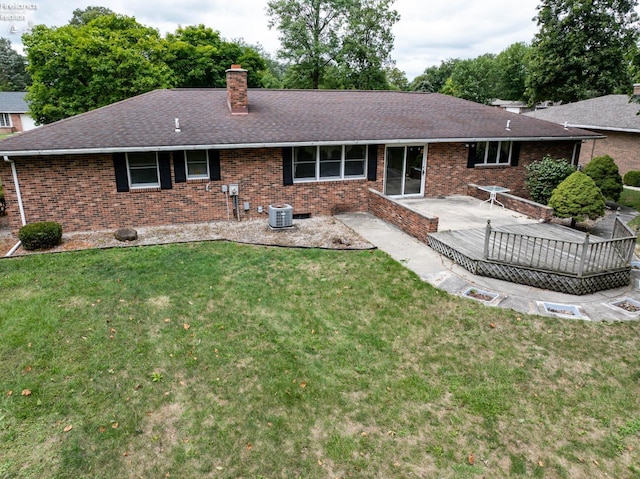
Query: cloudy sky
{"x": 427, "y": 33}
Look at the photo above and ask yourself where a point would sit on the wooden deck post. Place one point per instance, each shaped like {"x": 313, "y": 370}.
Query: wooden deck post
{"x": 487, "y": 236}
{"x": 583, "y": 256}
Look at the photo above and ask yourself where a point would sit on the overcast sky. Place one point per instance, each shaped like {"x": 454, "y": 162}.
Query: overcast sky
{"x": 428, "y": 31}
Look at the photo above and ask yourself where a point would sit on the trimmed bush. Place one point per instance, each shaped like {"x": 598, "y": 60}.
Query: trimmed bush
{"x": 542, "y": 177}
{"x": 604, "y": 172}
{"x": 632, "y": 178}
{"x": 42, "y": 235}
{"x": 578, "y": 197}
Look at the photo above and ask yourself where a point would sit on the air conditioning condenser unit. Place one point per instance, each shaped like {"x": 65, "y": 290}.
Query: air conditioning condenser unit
{"x": 280, "y": 216}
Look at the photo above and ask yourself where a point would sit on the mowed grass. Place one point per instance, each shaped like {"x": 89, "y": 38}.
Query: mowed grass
{"x": 219, "y": 360}
{"x": 630, "y": 198}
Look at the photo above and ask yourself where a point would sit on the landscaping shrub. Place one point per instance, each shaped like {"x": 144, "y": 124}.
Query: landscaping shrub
{"x": 542, "y": 177}
{"x": 632, "y": 178}
{"x": 604, "y": 172}
{"x": 578, "y": 197}
{"x": 42, "y": 235}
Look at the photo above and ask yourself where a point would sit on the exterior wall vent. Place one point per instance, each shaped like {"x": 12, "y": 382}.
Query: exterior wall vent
{"x": 280, "y": 216}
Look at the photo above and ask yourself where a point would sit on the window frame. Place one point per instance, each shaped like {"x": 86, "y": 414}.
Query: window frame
{"x": 318, "y": 162}
{"x": 8, "y": 123}
{"x": 204, "y": 176}
{"x": 487, "y": 147}
{"x": 137, "y": 186}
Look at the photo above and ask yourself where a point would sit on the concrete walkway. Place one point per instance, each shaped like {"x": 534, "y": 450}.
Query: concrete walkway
{"x": 448, "y": 276}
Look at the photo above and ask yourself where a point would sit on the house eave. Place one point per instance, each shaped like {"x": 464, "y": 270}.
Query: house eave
{"x": 606, "y": 128}
{"x": 218, "y": 146}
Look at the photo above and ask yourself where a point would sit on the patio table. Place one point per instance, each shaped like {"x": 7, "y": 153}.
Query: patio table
{"x": 493, "y": 190}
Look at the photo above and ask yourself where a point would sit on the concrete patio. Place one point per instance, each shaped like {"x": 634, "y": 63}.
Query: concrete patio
{"x": 465, "y": 212}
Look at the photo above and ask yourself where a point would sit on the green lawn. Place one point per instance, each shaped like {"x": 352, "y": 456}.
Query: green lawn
{"x": 630, "y": 198}
{"x": 219, "y": 360}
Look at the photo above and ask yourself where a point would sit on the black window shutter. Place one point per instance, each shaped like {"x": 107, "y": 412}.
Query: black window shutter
{"x": 120, "y": 167}
{"x": 372, "y": 162}
{"x": 515, "y": 153}
{"x": 471, "y": 159}
{"x": 179, "y": 168}
{"x": 287, "y": 166}
{"x": 165, "y": 170}
{"x": 214, "y": 165}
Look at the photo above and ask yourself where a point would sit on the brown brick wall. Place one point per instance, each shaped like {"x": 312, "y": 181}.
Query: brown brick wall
{"x": 447, "y": 172}
{"x": 402, "y": 216}
{"x": 80, "y": 191}
{"x": 624, "y": 148}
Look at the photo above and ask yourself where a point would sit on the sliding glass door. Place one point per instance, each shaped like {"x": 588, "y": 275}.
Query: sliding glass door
{"x": 404, "y": 170}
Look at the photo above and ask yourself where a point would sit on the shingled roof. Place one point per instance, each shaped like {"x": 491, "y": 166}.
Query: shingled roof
{"x": 13, "y": 102}
{"x": 279, "y": 118}
{"x": 609, "y": 113}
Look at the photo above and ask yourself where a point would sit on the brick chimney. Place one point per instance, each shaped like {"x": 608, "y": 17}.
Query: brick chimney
{"x": 237, "y": 90}
{"x": 636, "y": 88}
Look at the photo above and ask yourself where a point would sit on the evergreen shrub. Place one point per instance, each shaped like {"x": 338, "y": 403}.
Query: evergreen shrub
{"x": 41, "y": 235}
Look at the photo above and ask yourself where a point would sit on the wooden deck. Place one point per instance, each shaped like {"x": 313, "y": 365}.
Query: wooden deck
{"x": 543, "y": 255}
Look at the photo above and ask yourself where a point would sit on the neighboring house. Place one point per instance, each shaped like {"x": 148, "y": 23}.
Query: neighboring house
{"x": 613, "y": 116}
{"x": 13, "y": 113}
{"x": 512, "y": 106}
{"x": 174, "y": 156}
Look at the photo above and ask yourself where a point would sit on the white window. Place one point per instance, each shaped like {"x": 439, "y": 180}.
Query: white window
{"x": 143, "y": 169}
{"x": 329, "y": 162}
{"x": 5, "y": 120}
{"x": 197, "y": 164}
{"x": 493, "y": 153}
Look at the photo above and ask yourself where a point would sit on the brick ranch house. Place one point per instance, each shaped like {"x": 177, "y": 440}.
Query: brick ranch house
{"x": 166, "y": 157}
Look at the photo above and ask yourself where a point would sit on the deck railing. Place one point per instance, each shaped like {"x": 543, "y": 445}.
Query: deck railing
{"x": 559, "y": 256}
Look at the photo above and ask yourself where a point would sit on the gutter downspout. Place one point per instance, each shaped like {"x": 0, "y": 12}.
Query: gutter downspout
{"x": 14, "y": 172}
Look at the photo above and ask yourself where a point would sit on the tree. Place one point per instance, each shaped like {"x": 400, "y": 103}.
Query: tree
{"x": 542, "y": 177}
{"x": 84, "y": 16}
{"x": 434, "y": 77}
{"x": 577, "y": 197}
{"x": 512, "y": 71}
{"x": 397, "y": 79}
{"x": 76, "y": 68}
{"x": 199, "y": 57}
{"x": 604, "y": 172}
{"x": 473, "y": 79}
{"x": 367, "y": 44}
{"x": 13, "y": 68}
{"x": 324, "y": 38}
{"x": 581, "y": 49}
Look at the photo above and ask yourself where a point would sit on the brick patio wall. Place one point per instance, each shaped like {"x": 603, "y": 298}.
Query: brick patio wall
{"x": 402, "y": 216}
{"x": 514, "y": 203}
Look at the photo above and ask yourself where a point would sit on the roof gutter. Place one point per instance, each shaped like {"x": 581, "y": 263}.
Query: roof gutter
{"x": 14, "y": 173}
{"x": 405, "y": 141}
{"x": 605, "y": 128}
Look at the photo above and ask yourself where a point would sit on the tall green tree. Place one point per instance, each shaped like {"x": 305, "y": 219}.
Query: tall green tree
{"x": 13, "y": 68}
{"x": 581, "y": 49}
{"x": 473, "y": 79}
{"x": 199, "y": 57}
{"x": 325, "y": 39}
{"x": 367, "y": 44}
{"x": 76, "y": 68}
{"x": 512, "y": 69}
{"x": 82, "y": 16}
